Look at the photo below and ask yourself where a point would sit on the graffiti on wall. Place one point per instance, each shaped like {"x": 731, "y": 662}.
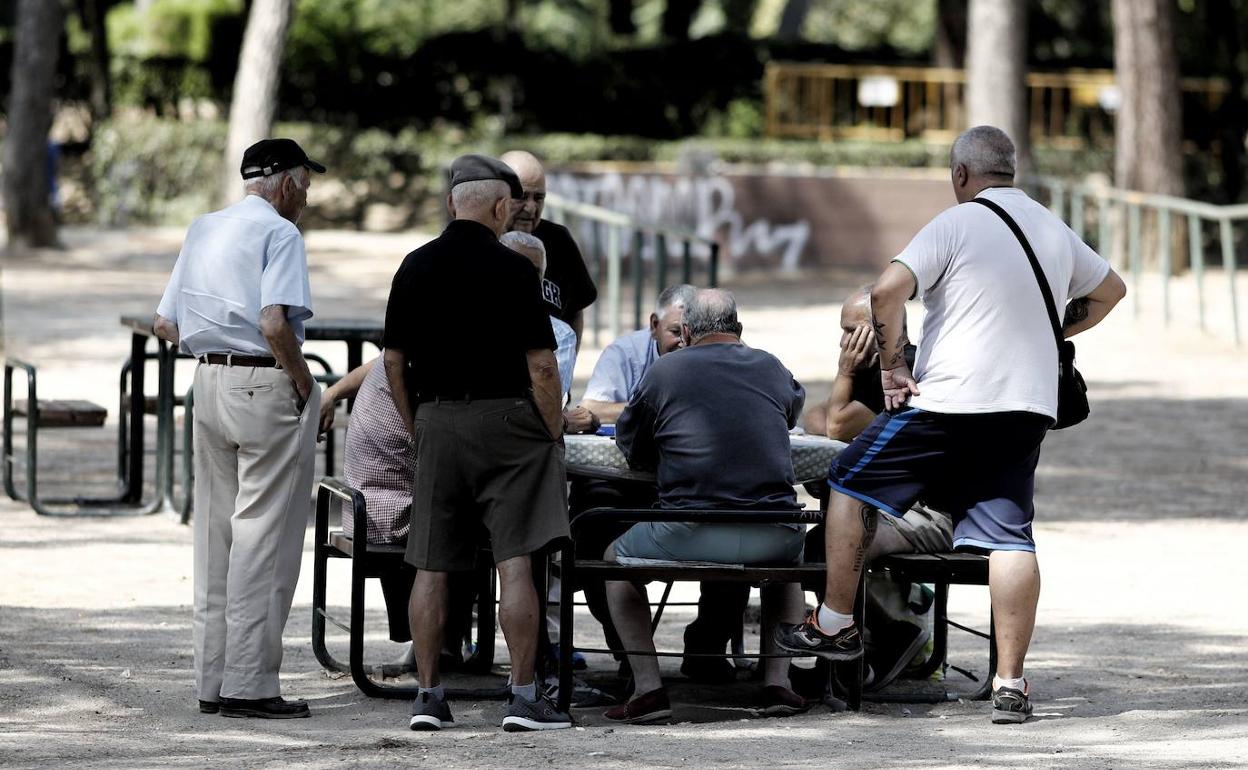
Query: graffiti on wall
{"x": 706, "y": 205}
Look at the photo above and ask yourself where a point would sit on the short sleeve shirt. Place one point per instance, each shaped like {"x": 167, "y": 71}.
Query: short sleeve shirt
{"x": 987, "y": 341}
{"x": 234, "y": 263}
{"x": 379, "y": 460}
{"x": 620, "y": 368}
{"x": 565, "y": 353}
{"x": 465, "y": 310}
{"x": 714, "y": 420}
{"x": 566, "y": 287}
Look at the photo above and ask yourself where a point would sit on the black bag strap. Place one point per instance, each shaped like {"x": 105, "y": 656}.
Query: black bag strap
{"x": 1054, "y": 319}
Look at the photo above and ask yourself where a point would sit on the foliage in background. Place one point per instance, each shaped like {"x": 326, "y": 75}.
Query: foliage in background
{"x": 143, "y": 171}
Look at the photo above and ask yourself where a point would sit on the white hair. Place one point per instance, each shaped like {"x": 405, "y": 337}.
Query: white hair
{"x": 712, "y": 311}
{"x": 267, "y": 186}
{"x": 985, "y": 151}
{"x": 472, "y": 197}
{"x": 679, "y": 295}
{"x": 515, "y": 239}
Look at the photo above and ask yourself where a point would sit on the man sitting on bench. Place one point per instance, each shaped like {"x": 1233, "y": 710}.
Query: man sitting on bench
{"x": 895, "y": 633}
{"x": 713, "y": 419}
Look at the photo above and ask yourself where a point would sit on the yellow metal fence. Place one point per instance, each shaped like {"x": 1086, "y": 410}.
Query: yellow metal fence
{"x": 835, "y": 101}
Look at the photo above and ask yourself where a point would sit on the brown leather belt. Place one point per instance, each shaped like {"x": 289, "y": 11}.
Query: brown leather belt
{"x": 234, "y": 359}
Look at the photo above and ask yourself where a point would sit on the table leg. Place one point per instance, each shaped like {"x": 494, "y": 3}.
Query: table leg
{"x": 355, "y": 359}
{"x": 133, "y": 491}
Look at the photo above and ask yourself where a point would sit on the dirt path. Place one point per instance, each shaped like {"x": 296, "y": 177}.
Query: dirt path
{"x": 1138, "y": 659}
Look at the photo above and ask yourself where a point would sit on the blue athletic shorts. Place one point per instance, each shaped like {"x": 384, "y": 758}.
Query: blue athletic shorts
{"x": 979, "y": 468}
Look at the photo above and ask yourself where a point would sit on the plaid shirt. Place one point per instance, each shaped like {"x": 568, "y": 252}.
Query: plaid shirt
{"x": 380, "y": 461}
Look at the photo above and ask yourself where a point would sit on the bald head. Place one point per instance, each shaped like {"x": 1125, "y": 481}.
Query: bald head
{"x": 857, "y": 309}
{"x": 528, "y": 212}
{"x": 711, "y": 311}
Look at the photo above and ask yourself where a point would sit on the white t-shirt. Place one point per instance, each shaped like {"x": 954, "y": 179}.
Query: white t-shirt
{"x": 987, "y": 342}
{"x": 235, "y": 262}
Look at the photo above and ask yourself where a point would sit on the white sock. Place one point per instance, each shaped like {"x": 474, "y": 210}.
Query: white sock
{"x": 831, "y": 621}
{"x": 1019, "y": 684}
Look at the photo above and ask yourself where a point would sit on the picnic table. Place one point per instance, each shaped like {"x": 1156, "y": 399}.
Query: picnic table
{"x": 353, "y": 332}
{"x": 598, "y": 457}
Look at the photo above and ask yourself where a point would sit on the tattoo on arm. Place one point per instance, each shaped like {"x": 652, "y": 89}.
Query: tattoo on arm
{"x": 1076, "y": 312}
{"x": 879, "y": 332}
{"x": 870, "y": 519}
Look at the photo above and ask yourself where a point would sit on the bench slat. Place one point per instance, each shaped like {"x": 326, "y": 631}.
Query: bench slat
{"x": 67, "y": 413}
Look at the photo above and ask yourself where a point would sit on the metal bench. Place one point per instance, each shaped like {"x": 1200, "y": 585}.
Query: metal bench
{"x": 52, "y": 414}
{"x": 370, "y": 560}
{"x": 810, "y": 577}
{"x": 942, "y": 570}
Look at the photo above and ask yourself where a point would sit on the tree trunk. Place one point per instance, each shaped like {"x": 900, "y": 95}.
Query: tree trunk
{"x": 949, "y": 43}
{"x": 1148, "y": 133}
{"x": 1232, "y": 115}
{"x": 739, "y": 15}
{"x": 92, "y": 13}
{"x": 677, "y": 16}
{"x": 1148, "y": 138}
{"x": 996, "y": 68}
{"x": 621, "y": 16}
{"x": 36, "y": 46}
{"x": 255, "y": 87}
{"x": 792, "y": 19}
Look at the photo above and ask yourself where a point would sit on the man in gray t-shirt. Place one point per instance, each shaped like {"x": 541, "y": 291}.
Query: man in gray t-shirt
{"x": 714, "y": 419}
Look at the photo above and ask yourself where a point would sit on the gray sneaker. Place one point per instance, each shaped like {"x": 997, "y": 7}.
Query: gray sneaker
{"x": 430, "y": 713}
{"x": 1010, "y": 706}
{"x": 541, "y": 714}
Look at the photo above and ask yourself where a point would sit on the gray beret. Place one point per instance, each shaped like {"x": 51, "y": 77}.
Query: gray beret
{"x": 472, "y": 168}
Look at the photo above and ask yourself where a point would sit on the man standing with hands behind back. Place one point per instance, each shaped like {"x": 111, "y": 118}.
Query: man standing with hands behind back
{"x": 237, "y": 301}
{"x": 487, "y": 423}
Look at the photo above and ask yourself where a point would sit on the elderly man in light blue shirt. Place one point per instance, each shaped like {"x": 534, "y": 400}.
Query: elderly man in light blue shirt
{"x": 624, "y": 362}
{"x": 237, "y": 300}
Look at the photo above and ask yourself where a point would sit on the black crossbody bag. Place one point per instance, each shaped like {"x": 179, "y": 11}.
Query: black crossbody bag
{"x": 1072, "y": 392}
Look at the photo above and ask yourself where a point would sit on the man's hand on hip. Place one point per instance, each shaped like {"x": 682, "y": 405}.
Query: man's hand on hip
{"x": 899, "y": 386}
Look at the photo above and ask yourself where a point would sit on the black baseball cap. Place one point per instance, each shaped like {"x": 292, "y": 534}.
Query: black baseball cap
{"x": 270, "y": 156}
{"x": 473, "y": 168}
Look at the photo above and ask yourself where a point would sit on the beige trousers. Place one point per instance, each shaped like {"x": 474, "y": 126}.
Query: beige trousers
{"x": 253, "y": 478}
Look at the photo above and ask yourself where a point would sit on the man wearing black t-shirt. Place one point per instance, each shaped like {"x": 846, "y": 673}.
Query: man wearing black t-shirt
{"x": 487, "y": 428}
{"x": 566, "y": 287}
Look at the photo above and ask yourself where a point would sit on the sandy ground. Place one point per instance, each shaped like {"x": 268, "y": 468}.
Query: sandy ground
{"x": 1138, "y": 660}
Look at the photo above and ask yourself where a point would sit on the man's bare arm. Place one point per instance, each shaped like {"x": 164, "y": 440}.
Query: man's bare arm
{"x": 839, "y": 417}
{"x": 1085, "y": 312}
{"x": 346, "y": 387}
{"x": 544, "y": 374}
{"x": 281, "y": 338}
{"x": 395, "y": 362}
{"x": 606, "y": 411}
{"x": 888, "y": 309}
{"x": 165, "y": 329}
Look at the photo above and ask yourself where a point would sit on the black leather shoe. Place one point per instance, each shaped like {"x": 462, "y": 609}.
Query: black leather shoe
{"x": 209, "y": 707}
{"x": 264, "y": 708}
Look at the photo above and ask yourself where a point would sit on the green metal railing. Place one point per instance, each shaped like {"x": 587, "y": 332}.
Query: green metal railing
{"x": 1113, "y": 207}
{"x": 654, "y": 253}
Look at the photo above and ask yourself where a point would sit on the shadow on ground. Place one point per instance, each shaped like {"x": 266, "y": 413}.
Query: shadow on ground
{"x": 114, "y": 689}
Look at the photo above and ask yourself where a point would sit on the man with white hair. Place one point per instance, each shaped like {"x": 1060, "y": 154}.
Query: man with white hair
{"x": 566, "y": 286}
{"x": 487, "y": 425}
{"x": 565, "y": 337}
{"x": 237, "y": 301}
{"x": 713, "y": 419}
{"x": 982, "y": 397}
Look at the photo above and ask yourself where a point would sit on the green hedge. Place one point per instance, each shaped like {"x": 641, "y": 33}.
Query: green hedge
{"x": 152, "y": 171}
